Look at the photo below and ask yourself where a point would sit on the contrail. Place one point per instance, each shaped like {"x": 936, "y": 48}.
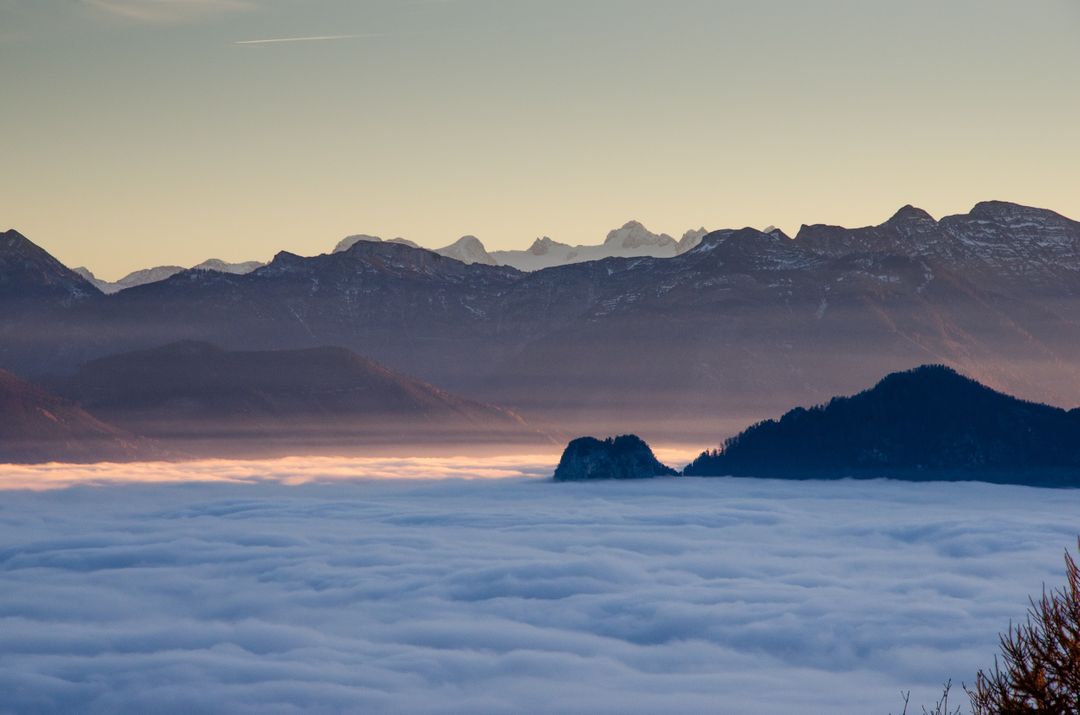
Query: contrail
{"x": 316, "y": 38}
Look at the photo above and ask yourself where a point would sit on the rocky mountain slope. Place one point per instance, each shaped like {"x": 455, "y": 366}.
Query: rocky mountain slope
{"x": 30, "y": 277}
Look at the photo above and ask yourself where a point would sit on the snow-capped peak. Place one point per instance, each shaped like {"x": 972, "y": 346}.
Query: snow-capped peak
{"x": 468, "y": 249}
{"x": 543, "y": 246}
{"x": 634, "y": 235}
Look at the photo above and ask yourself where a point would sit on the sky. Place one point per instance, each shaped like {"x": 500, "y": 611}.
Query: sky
{"x": 496, "y": 595}
{"x": 148, "y": 132}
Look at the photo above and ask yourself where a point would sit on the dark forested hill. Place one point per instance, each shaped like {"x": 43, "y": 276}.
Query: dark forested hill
{"x": 926, "y": 423}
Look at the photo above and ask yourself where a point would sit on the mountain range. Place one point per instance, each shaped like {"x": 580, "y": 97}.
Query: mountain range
{"x": 736, "y": 328}
{"x": 633, "y": 239}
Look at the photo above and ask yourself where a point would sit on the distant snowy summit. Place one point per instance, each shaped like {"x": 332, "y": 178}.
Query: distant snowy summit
{"x": 632, "y": 240}
{"x": 468, "y": 249}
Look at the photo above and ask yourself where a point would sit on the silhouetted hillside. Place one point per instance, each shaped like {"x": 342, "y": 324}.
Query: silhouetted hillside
{"x": 926, "y": 423}
{"x": 36, "y": 426}
{"x": 625, "y": 457}
{"x": 193, "y": 390}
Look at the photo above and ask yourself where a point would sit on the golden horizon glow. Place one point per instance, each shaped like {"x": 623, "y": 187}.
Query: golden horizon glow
{"x": 299, "y": 470}
{"x": 139, "y": 133}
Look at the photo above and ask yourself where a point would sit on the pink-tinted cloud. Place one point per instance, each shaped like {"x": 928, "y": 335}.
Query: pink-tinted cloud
{"x": 291, "y": 470}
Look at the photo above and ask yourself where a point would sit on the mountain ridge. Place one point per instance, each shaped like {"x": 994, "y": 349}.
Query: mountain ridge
{"x": 190, "y": 390}
{"x": 29, "y": 272}
{"x": 159, "y": 273}
{"x": 748, "y": 319}
{"x": 37, "y": 426}
{"x": 629, "y": 241}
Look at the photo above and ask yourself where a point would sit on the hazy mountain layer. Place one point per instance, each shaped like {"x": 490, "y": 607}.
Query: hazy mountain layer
{"x": 741, "y": 326}
{"x": 196, "y": 391}
{"x": 37, "y": 426}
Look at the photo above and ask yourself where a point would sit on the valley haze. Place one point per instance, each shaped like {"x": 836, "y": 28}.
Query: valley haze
{"x": 685, "y": 349}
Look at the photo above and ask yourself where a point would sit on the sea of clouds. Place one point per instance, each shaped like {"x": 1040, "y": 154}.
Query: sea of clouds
{"x": 267, "y": 588}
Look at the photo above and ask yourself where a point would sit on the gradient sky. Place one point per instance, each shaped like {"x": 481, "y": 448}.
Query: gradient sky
{"x": 143, "y": 132}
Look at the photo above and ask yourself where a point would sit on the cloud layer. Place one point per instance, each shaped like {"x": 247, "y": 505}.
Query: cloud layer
{"x": 511, "y": 595}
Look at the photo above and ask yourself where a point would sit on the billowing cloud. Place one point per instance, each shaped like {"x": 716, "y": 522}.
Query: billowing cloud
{"x": 509, "y": 595}
{"x": 167, "y": 11}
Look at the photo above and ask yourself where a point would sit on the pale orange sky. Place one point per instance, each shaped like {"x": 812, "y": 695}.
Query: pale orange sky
{"x": 138, "y": 133}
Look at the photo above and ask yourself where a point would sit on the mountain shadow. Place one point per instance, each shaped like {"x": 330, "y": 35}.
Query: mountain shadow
{"x": 321, "y": 397}
{"x": 36, "y": 426}
{"x": 929, "y": 423}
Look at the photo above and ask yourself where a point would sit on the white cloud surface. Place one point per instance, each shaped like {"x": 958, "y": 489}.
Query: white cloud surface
{"x": 510, "y": 595}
